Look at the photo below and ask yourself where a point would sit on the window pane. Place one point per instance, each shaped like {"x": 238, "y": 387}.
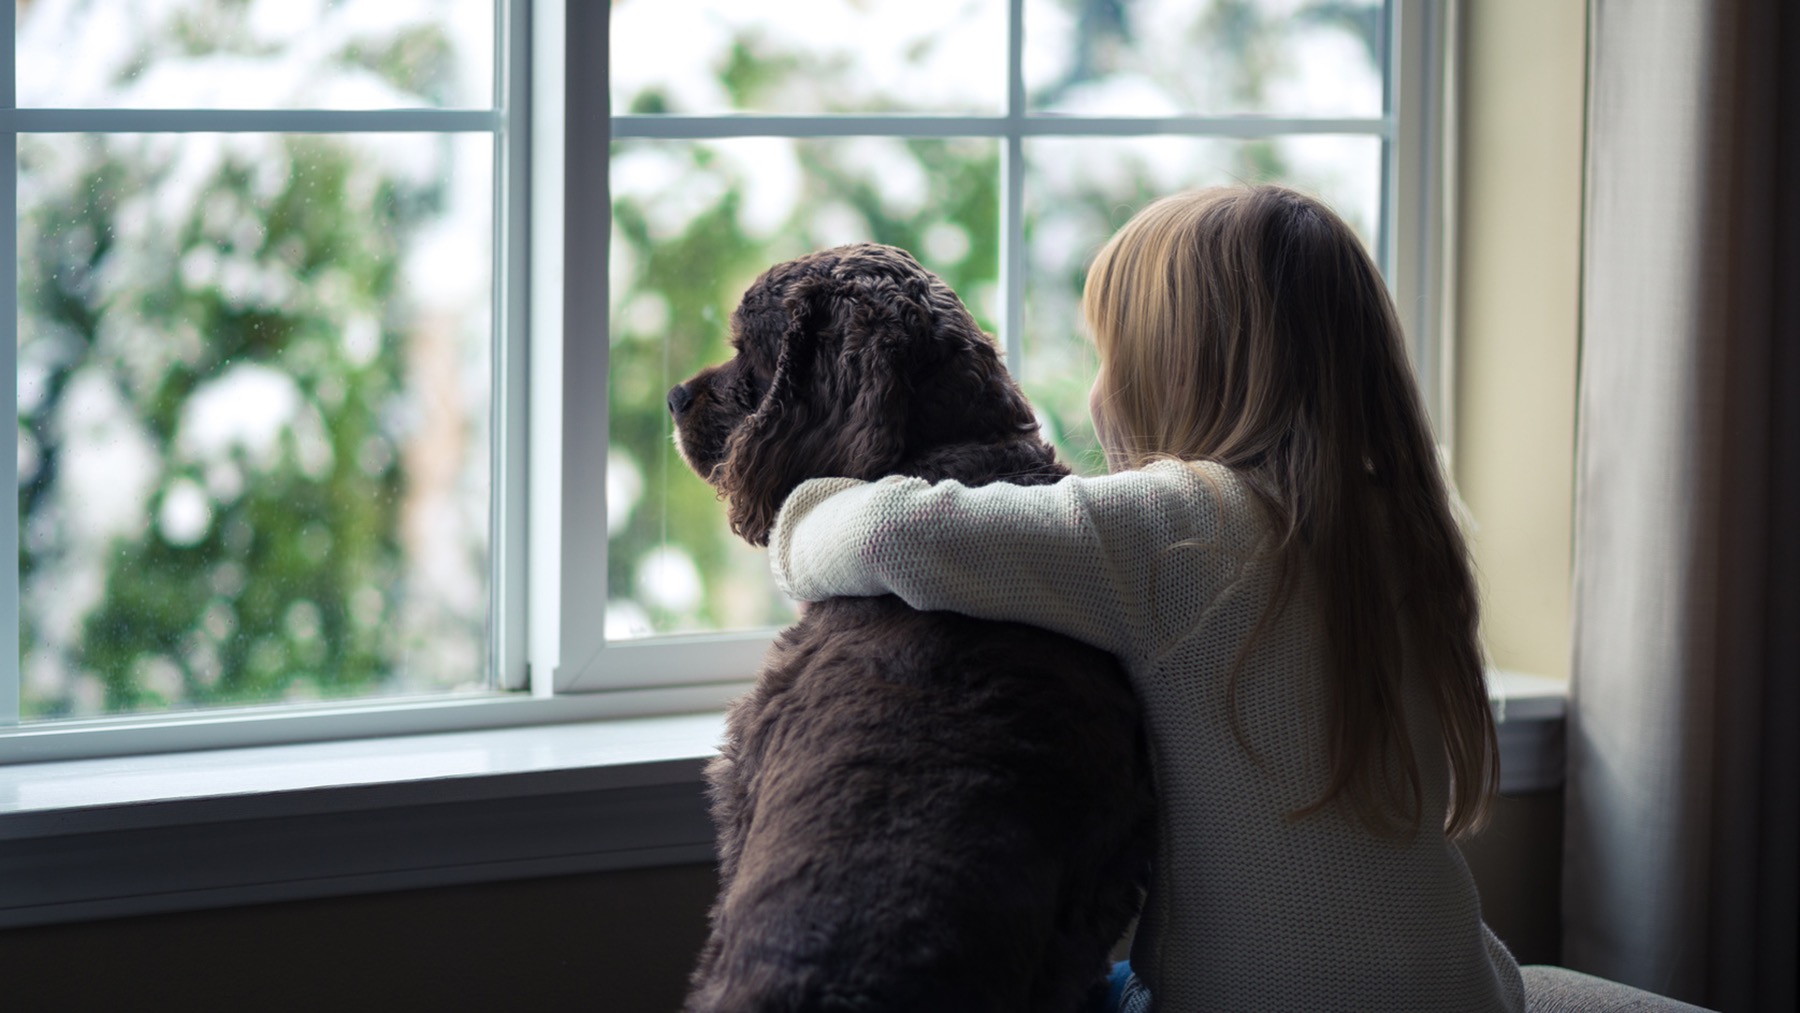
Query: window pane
{"x": 255, "y": 54}
{"x": 253, "y": 398}
{"x": 1079, "y": 191}
{"x": 1208, "y": 58}
{"x": 808, "y": 56}
{"x": 694, "y": 223}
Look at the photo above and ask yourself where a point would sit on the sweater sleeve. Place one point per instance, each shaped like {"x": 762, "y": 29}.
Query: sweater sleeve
{"x": 1079, "y": 557}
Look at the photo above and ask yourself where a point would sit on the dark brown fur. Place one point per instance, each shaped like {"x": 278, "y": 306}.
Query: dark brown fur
{"x": 916, "y": 810}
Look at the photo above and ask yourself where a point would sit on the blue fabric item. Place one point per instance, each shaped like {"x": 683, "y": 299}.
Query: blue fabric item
{"x": 1124, "y": 993}
{"x": 1115, "y": 984}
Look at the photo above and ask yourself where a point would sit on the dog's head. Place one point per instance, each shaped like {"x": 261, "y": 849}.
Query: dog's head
{"x": 853, "y": 361}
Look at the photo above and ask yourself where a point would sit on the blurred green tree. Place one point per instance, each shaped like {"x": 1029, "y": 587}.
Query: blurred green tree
{"x": 232, "y": 360}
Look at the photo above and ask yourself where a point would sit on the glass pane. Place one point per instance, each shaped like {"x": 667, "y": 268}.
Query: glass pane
{"x": 808, "y": 56}
{"x": 1205, "y": 58}
{"x": 1079, "y": 191}
{"x": 694, "y": 224}
{"x": 255, "y": 54}
{"x": 253, "y": 396}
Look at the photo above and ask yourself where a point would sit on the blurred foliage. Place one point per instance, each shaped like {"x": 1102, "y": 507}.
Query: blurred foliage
{"x": 245, "y": 569}
{"x": 263, "y": 600}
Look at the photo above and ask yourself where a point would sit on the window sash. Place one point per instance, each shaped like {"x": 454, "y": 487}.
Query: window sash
{"x": 503, "y": 120}
{"x": 588, "y": 662}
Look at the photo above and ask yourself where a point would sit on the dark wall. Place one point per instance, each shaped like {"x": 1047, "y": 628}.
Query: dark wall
{"x": 608, "y": 943}
{"x": 1517, "y": 862}
{"x": 619, "y": 942}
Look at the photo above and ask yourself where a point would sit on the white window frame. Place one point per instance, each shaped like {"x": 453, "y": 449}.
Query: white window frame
{"x": 552, "y": 124}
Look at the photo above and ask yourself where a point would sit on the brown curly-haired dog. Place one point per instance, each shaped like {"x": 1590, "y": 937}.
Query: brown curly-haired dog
{"x": 916, "y": 810}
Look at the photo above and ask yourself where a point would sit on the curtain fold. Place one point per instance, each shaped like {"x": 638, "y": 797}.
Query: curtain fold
{"x": 1682, "y": 853}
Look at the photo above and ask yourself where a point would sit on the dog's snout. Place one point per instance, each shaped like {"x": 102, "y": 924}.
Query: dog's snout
{"x": 679, "y": 399}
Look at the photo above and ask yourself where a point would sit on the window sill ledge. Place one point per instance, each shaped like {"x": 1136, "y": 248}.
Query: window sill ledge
{"x": 101, "y": 838}
{"x": 1529, "y": 713}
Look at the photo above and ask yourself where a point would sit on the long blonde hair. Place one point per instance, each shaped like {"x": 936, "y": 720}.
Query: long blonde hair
{"x": 1248, "y": 326}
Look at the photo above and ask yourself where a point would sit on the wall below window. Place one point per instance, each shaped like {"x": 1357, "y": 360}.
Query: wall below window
{"x": 619, "y": 942}
{"x": 1517, "y": 862}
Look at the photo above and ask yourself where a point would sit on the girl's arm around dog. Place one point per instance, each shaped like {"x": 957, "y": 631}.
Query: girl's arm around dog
{"x": 1124, "y": 561}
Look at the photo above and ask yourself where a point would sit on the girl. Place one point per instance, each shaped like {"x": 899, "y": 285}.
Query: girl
{"x": 1275, "y": 562}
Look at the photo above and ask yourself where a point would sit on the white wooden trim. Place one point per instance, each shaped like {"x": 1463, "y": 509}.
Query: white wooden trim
{"x": 10, "y": 675}
{"x": 232, "y": 728}
{"x": 278, "y": 121}
{"x": 587, "y": 236}
{"x": 1418, "y": 192}
{"x": 509, "y": 449}
{"x": 1012, "y": 197}
{"x": 1027, "y": 125}
{"x": 544, "y": 500}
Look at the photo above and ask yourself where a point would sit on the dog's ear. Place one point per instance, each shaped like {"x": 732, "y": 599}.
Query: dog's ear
{"x": 756, "y": 473}
{"x": 885, "y": 326}
{"x": 837, "y": 403}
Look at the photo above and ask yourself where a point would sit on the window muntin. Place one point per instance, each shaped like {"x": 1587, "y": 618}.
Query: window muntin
{"x": 255, "y": 370}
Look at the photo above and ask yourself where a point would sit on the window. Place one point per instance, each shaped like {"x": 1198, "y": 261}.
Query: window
{"x": 341, "y": 366}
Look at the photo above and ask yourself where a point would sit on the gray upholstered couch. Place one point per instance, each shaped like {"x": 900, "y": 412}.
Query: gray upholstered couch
{"x": 1560, "y": 990}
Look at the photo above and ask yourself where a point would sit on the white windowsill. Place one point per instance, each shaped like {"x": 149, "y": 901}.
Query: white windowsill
{"x": 137, "y": 791}
{"x": 97, "y": 838}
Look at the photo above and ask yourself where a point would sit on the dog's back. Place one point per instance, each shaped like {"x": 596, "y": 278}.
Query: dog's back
{"x": 923, "y": 811}
{"x": 916, "y": 811}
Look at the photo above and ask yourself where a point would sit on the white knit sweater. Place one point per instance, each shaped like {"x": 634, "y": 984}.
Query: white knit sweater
{"x": 1249, "y": 910}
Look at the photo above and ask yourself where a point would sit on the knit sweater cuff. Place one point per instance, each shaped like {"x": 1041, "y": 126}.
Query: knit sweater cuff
{"x": 805, "y": 568}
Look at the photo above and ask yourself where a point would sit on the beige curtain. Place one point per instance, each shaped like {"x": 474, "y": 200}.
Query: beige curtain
{"x": 1684, "y": 755}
